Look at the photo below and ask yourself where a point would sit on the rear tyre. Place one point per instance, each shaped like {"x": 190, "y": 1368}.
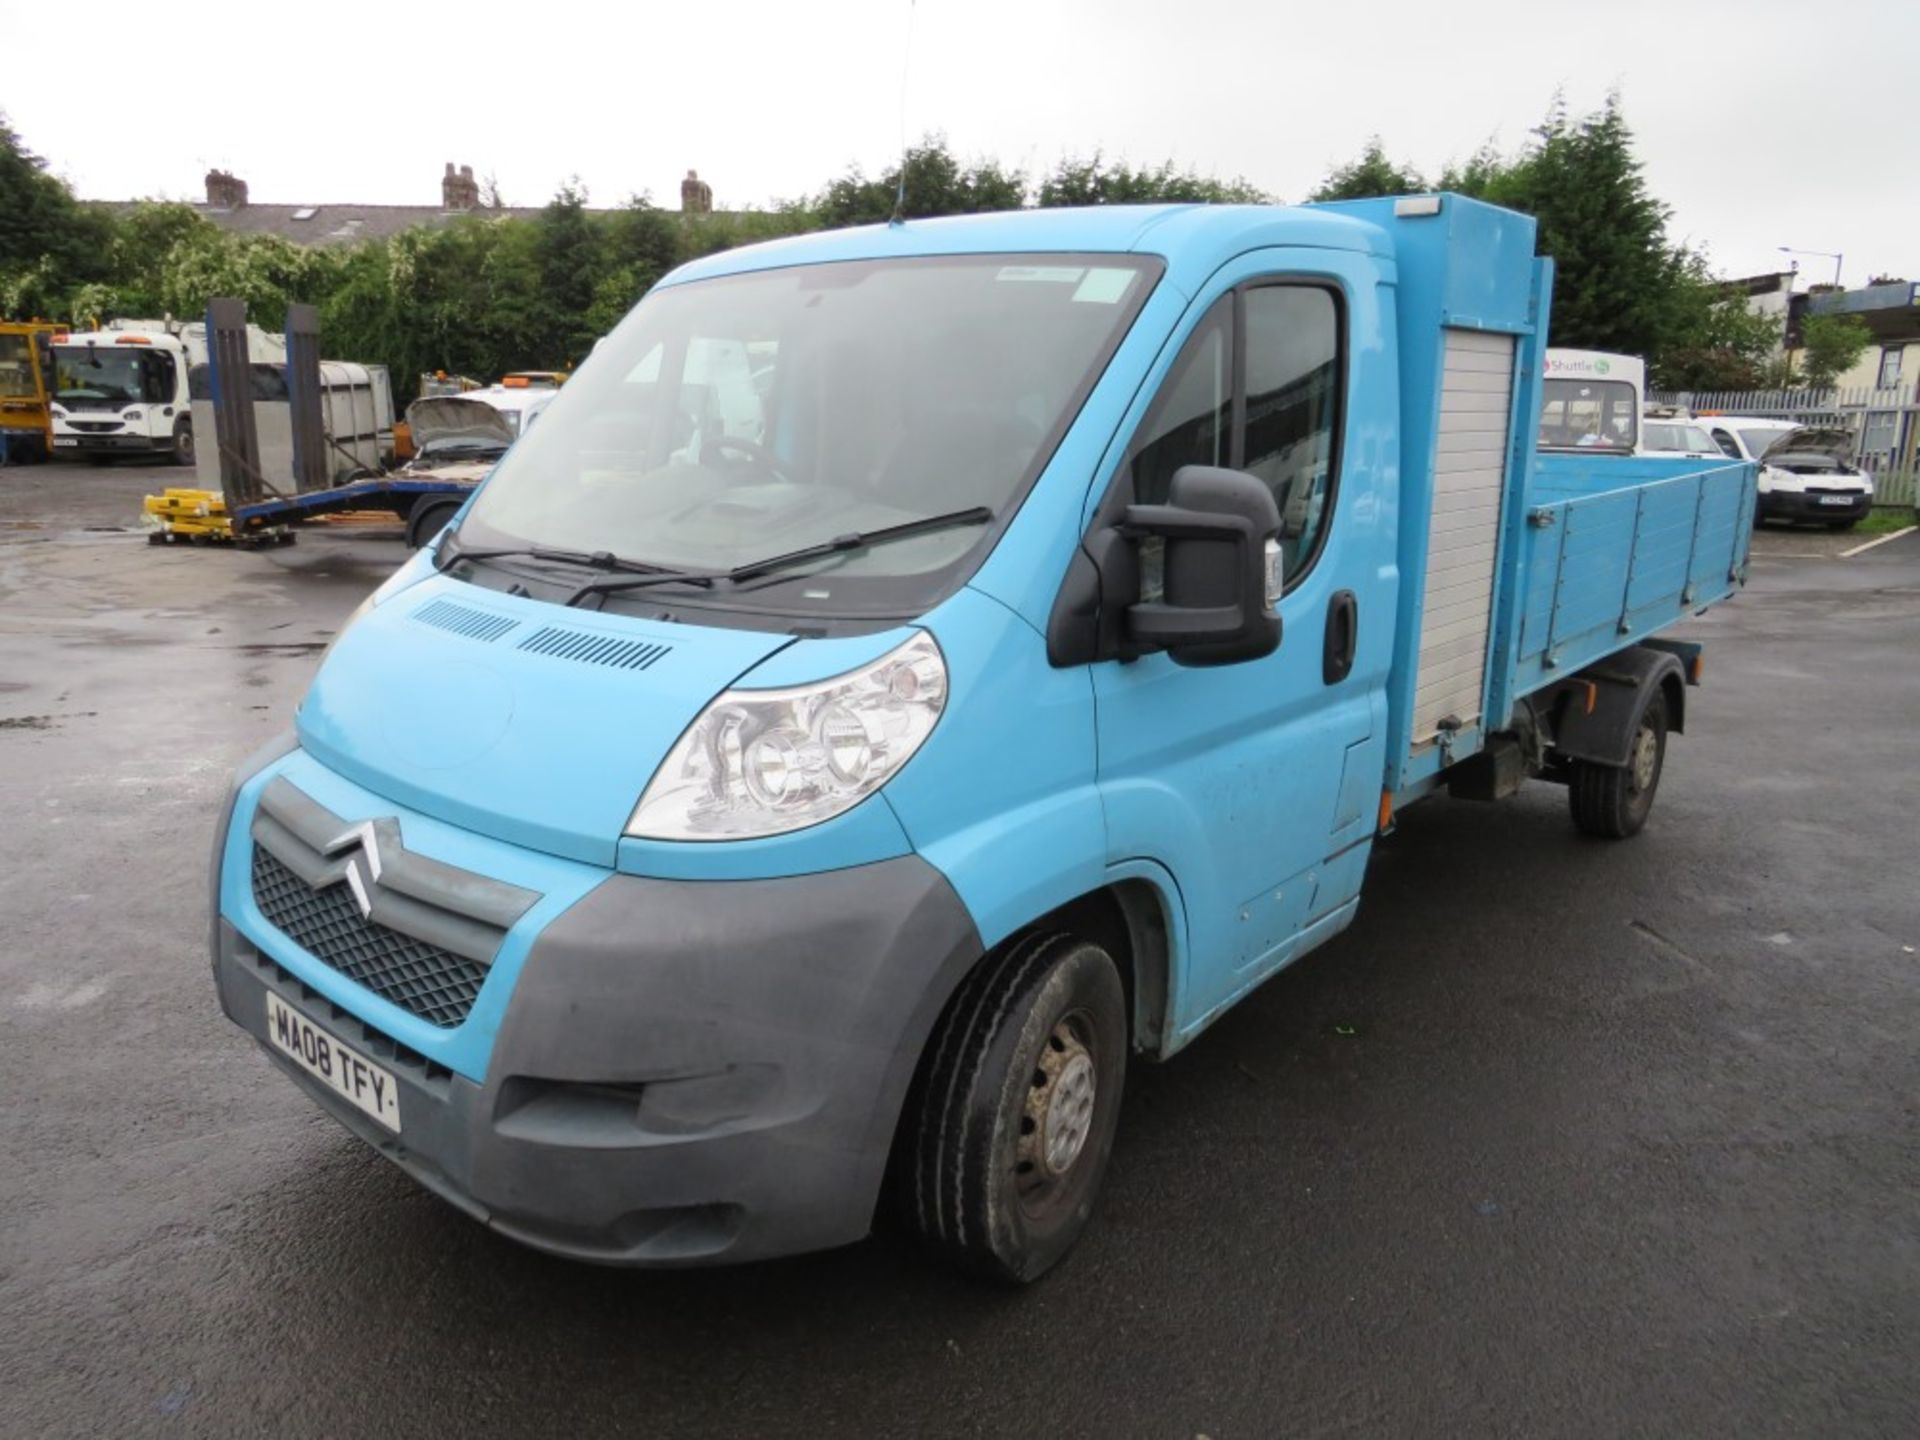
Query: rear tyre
{"x": 1014, "y": 1116}
{"x": 427, "y": 519}
{"x": 181, "y": 452}
{"x": 1613, "y": 801}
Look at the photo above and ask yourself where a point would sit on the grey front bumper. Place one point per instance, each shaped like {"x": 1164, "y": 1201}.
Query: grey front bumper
{"x": 687, "y": 1072}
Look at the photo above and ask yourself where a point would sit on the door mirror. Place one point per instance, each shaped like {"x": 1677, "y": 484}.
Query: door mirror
{"x": 1220, "y": 568}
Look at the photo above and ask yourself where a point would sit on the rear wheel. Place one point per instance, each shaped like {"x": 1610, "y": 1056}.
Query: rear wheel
{"x": 1015, "y": 1113}
{"x": 1613, "y": 801}
{"x": 182, "y": 450}
{"x": 428, "y": 518}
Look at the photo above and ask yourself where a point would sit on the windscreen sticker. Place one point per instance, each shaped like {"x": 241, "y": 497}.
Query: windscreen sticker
{"x": 1104, "y": 285}
{"x": 1045, "y": 274}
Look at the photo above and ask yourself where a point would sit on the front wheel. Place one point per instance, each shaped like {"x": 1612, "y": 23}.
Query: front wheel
{"x": 181, "y": 452}
{"x": 1613, "y": 801}
{"x": 1016, "y": 1109}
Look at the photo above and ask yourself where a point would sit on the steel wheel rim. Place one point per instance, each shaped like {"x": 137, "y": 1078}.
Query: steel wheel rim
{"x": 1056, "y": 1120}
{"x": 1646, "y": 754}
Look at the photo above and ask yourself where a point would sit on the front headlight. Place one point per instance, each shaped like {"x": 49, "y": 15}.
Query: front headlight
{"x": 765, "y": 762}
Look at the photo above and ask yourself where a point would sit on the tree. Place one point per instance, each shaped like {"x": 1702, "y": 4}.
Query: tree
{"x": 1372, "y": 174}
{"x": 1097, "y": 181}
{"x": 1716, "y": 341}
{"x": 49, "y": 241}
{"x": 567, "y": 248}
{"x": 937, "y": 183}
{"x": 1831, "y": 345}
{"x": 1618, "y": 282}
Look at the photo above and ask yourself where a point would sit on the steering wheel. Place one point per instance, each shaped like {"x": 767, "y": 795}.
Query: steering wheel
{"x": 755, "y": 453}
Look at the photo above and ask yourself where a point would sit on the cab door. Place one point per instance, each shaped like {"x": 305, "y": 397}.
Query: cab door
{"x": 1256, "y": 784}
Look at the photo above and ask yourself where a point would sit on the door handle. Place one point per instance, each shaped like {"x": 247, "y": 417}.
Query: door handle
{"x": 1343, "y": 637}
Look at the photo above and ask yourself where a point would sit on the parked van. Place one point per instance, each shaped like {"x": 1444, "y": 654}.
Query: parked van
{"x": 910, "y": 670}
{"x": 1593, "y": 402}
{"x": 1806, "y": 472}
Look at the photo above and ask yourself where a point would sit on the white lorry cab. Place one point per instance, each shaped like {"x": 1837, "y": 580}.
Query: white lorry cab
{"x": 1592, "y": 402}
{"x": 121, "y": 392}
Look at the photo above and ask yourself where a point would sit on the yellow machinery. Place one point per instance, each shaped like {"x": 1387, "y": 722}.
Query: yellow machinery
{"x": 26, "y": 370}
{"x": 199, "y": 517}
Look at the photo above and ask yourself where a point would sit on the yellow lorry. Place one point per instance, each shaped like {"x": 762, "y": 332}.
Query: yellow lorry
{"x": 25, "y": 365}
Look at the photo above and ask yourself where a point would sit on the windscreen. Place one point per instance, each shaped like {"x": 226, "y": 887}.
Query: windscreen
{"x": 111, "y": 374}
{"x": 1589, "y": 415}
{"x": 16, "y": 366}
{"x": 729, "y": 420}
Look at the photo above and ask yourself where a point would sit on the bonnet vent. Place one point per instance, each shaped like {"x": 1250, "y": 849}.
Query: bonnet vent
{"x": 464, "y": 620}
{"x": 586, "y": 648}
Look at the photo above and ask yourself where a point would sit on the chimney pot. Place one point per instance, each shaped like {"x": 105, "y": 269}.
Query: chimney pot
{"x": 458, "y": 189}
{"x": 225, "y": 191}
{"x": 696, "y": 196}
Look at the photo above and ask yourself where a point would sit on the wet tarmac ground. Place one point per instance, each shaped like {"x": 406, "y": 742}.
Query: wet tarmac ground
{"x": 1562, "y": 1138}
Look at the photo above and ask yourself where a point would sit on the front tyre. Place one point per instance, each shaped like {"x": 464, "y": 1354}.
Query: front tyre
{"x": 181, "y": 451}
{"x": 1613, "y": 801}
{"x": 1016, "y": 1111}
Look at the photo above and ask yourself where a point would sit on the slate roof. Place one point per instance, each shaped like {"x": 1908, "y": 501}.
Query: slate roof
{"x": 337, "y": 224}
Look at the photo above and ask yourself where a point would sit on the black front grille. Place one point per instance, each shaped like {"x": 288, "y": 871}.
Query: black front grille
{"x": 94, "y": 427}
{"x": 437, "y": 985}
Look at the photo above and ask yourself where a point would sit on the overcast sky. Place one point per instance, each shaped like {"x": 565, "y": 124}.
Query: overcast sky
{"x": 1761, "y": 123}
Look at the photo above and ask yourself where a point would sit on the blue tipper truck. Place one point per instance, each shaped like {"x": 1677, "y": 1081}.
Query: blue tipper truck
{"x": 913, "y": 670}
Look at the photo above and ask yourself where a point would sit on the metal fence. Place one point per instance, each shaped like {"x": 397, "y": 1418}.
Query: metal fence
{"x": 1885, "y": 425}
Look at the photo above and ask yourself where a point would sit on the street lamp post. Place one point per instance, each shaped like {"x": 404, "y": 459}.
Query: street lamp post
{"x": 1832, "y": 255}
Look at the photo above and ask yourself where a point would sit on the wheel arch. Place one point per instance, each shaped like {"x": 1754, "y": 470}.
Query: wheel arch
{"x": 1595, "y": 712}
{"x": 1138, "y": 919}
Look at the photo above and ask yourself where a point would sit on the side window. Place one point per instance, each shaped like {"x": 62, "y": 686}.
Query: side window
{"x": 1726, "y": 444}
{"x": 1191, "y": 419}
{"x": 1292, "y": 409}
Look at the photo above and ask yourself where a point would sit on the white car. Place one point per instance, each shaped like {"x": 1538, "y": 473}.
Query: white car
{"x": 1805, "y": 471}
{"x": 1673, "y": 436}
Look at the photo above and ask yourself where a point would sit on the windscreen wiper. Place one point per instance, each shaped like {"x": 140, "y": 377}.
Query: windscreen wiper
{"x": 853, "y": 540}
{"x": 451, "y": 551}
{"x": 861, "y": 539}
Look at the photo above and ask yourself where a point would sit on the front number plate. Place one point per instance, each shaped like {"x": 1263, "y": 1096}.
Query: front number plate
{"x": 1838, "y": 499}
{"x": 346, "y": 1072}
